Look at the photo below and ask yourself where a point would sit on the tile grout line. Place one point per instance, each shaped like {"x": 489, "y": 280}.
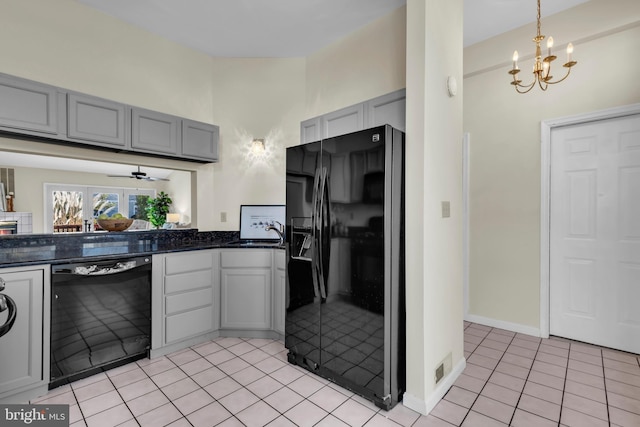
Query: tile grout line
{"x": 492, "y": 372}
{"x": 525, "y": 383}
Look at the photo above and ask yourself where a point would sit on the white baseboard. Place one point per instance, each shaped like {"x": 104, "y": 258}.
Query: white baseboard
{"x": 494, "y": 323}
{"x": 425, "y": 406}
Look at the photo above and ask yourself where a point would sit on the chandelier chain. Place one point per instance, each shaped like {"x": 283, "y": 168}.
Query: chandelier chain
{"x": 538, "y": 18}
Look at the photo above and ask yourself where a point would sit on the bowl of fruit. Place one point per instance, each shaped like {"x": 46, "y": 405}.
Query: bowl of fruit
{"x": 115, "y": 222}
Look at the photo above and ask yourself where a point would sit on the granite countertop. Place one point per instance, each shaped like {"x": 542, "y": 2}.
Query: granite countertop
{"x": 29, "y": 249}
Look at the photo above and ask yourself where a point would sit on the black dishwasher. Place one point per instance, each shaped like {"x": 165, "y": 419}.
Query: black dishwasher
{"x": 100, "y": 316}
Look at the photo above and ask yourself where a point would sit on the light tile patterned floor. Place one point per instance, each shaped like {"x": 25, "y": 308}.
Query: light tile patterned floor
{"x": 510, "y": 379}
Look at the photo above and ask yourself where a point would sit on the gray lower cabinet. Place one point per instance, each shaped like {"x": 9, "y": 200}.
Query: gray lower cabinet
{"x": 96, "y": 121}
{"x": 154, "y": 132}
{"x": 184, "y": 289}
{"x": 279, "y": 291}
{"x": 245, "y": 289}
{"x": 24, "y": 350}
{"x": 28, "y": 106}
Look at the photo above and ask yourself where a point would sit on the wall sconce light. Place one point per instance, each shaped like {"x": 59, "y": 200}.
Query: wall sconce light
{"x": 257, "y": 147}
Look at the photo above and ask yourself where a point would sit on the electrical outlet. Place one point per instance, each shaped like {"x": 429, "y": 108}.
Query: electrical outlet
{"x": 223, "y": 217}
{"x": 446, "y": 209}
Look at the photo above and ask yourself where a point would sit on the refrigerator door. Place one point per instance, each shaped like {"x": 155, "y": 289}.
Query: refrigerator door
{"x": 302, "y": 321}
{"x": 352, "y": 339}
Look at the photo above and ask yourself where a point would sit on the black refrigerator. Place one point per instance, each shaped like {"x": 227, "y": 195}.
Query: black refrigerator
{"x": 345, "y": 298}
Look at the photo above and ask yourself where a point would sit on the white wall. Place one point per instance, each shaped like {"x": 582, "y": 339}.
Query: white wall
{"x": 367, "y": 63}
{"x": 505, "y": 143}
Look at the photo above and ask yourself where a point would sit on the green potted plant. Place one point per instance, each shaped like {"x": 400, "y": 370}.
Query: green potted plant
{"x": 158, "y": 208}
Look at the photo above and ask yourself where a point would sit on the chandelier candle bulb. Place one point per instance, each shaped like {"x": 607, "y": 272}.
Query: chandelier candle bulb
{"x": 569, "y": 51}
{"x": 549, "y": 46}
{"x": 515, "y": 59}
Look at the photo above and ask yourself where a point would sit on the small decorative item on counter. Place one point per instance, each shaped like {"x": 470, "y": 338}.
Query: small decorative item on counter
{"x": 10, "y": 202}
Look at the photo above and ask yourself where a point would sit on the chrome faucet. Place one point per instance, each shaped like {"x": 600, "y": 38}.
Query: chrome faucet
{"x": 279, "y": 230}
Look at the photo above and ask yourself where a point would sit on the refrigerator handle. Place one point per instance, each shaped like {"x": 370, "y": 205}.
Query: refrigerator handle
{"x": 323, "y": 188}
{"x": 314, "y": 233}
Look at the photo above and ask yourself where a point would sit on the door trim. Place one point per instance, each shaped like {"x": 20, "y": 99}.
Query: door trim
{"x": 466, "y": 141}
{"x": 546, "y": 126}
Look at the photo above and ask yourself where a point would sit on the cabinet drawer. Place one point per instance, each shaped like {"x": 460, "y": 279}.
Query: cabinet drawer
{"x": 243, "y": 258}
{"x": 187, "y": 262}
{"x": 188, "y": 300}
{"x": 188, "y": 281}
{"x": 184, "y": 325}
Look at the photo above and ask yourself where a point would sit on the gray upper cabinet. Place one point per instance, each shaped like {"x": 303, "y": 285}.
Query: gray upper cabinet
{"x": 345, "y": 120}
{"x": 28, "y": 106}
{"x": 200, "y": 140}
{"x": 387, "y": 110}
{"x": 96, "y": 121}
{"x": 57, "y": 114}
{"x": 154, "y": 132}
{"x": 310, "y": 130}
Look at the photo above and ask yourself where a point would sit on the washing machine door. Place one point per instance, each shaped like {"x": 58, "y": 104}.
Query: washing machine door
{"x": 9, "y": 305}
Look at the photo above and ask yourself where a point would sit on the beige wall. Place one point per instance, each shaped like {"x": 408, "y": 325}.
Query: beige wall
{"x": 505, "y": 144}
{"x": 367, "y": 63}
{"x": 433, "y": 175}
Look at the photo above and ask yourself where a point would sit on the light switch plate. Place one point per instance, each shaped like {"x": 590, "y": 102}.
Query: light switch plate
{"x": 223, "y": 217}
{"x": 446, "y": 209}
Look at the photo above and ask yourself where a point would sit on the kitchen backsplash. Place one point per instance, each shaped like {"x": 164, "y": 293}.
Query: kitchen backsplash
{"x": 25, "y": 220}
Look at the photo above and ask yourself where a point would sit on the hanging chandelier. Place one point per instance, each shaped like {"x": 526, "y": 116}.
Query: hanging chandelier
{"x": 542, "y": 67}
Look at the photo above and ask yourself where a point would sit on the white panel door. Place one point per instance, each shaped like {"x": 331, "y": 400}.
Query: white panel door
{"x": 595, "y": 233}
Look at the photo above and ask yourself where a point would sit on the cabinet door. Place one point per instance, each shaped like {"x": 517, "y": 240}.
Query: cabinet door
{"x": 310, "y": 130}
{"x": 387, "y": 109}
{"x": 96, "y": 120}
{"x": 21, "y": 348}
{"x": 245, "y": 298}
{"x": 200, "y": 140}
{"x": 346, "y": 120}
{"x": 279, "y": 291}
{"x": 154, "y": 132}
{"x": 29, "y": 106}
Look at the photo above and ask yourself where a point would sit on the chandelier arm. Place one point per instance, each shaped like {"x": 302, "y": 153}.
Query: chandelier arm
{"x": 562, "y": 79}
{"x": 545, "y": 87}
{"x": 528, "y": 88}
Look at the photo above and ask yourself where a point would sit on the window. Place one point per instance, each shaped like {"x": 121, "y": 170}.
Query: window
{"x": 71, "y": 208}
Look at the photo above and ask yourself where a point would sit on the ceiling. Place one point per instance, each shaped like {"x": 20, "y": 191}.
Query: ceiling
{"x": 278, "y": 28}
{"x": 292, "y": 28}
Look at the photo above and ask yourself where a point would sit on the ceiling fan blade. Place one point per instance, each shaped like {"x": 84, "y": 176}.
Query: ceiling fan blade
{"x": 139, "y": 175}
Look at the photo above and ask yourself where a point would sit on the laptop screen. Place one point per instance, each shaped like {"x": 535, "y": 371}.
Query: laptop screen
{"x": 254, "y": 219}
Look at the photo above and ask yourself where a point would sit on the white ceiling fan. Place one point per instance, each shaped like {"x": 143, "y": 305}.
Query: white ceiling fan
{"x": 139, "y": 175}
